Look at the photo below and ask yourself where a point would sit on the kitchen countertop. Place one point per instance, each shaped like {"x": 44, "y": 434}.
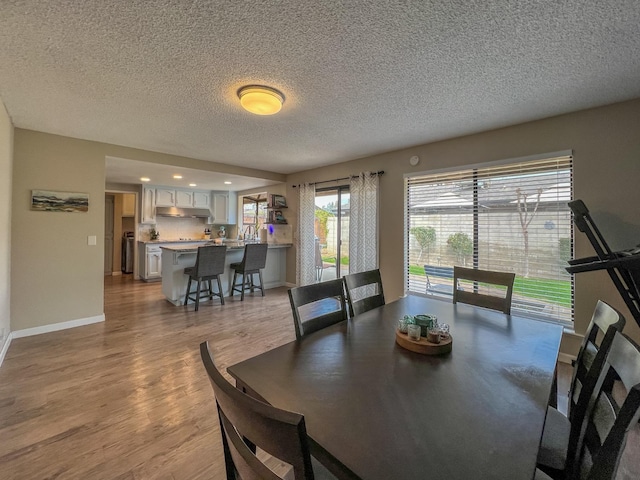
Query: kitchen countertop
{"x": 195, "y": 240}
{"x": 191, "y": 246}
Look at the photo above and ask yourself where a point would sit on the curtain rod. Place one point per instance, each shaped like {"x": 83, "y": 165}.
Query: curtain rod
{"x": 380, "y": 172}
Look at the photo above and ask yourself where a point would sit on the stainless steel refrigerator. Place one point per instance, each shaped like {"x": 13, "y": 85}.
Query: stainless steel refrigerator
{"x": 127, "y": 252}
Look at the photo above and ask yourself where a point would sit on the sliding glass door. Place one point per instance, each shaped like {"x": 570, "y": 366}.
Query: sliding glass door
{"x": 332, "y": 232}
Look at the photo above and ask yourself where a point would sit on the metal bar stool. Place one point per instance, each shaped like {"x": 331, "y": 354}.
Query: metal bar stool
{"x": 209, "y": 266}
{"x": 255, "y": 258}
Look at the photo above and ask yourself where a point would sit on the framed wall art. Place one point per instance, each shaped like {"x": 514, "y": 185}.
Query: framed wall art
{"x": 50, "y": 201}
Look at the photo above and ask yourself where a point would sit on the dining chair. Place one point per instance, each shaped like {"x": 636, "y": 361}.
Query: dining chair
{"x": 360, "y": 284}
{"x": 604, "y": 317}
{"x": 557, "y": 427}
{"x": 209, "y": 266}
{"x": 253, "y": 261}
{"x": 317, "y": 306}
{"x": 320, "y": 263}
{"x": 247, "y": 423}
{"x": 609, "y": 404}
{"x": 473, "y": 296}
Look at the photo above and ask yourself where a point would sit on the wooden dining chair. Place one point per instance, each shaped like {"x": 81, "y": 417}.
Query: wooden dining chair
{"x": 472, "y": 295}
{"x": 209, "y": 266}
{"x": 360, "y": 284}
{"x": 604, "y": 317}
{"x": 247, "y": 423}
{"x": 317, "y": 306}
{"x": 558, "y": 426}
{"x": 609, "y": 405}
{"x": 253, "y": 261}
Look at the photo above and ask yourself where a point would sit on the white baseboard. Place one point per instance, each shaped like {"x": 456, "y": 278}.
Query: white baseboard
{"x": 54, "y": 327}
{"x": 115, "y": 274}
{"x": 5, "y": 347}
{"x": 566, "y": 358}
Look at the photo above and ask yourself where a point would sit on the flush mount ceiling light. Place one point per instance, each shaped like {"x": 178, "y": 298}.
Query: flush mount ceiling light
{"x": 177, "y": 177}
{"x": 260, "y": 100}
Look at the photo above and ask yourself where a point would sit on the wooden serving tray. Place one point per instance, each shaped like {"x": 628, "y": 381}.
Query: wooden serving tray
{"x": 423, "y": 346}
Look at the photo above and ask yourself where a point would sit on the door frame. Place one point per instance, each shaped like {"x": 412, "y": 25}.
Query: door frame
{"x": 136, "y": 221}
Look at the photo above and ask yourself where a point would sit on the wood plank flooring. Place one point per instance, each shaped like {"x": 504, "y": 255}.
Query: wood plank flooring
{"x": 129, "y": 398}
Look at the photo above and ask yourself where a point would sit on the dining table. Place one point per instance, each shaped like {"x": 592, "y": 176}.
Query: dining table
{"x": 375, "y": 410}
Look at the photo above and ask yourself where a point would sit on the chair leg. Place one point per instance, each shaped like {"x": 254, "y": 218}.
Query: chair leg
{"x": 220, "y": 289}
{"x": 186, "y": 295}
{"x": 233, "y": 283}
{"x": 261, "y": 284}
{"x": 244, "y": 284}
{"x": 198, "y": 295}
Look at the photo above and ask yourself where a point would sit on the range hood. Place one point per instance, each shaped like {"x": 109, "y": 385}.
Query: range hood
{"x": 182, "y": 212}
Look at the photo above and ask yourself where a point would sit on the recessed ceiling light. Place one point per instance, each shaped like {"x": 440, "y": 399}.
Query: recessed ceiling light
{"x": 145, "y": 179}
{"x": 192, "y": 185}
{"x": 227, "y": 183}
{"x": 260, "y": 100}
{"x": 177, "y": 177}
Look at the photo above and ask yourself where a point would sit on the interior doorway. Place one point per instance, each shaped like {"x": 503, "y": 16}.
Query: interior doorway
{"x": 121, "y": 233}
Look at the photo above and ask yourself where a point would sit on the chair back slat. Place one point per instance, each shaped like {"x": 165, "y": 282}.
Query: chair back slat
{"x": 278, "y": 432}
{"x": 604, "y": 317}
{"x": 364, "y": 291}
{"x": 244, "y": 460}
{"x": 609, "y": 405}
{"x": 473, "y": 297}
{"x": 210, "y": 261}
{"x": 325, "y": 296}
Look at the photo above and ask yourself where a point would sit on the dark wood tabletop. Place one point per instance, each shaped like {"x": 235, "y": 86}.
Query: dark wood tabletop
{"x": 374, "y": 410}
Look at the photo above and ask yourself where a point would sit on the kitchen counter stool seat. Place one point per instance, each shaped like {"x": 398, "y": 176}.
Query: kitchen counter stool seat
{"x": 254, "y": 260}
{"x": 209, "y": 266}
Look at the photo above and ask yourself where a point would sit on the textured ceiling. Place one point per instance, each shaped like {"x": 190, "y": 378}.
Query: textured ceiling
{"x": 360, "y": 77}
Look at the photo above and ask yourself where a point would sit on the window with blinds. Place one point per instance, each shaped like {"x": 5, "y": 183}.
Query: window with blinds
{"x": 512, "y": 217}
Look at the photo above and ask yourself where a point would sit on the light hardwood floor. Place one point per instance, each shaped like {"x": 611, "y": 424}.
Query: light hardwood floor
{"x": 129, "y": 398}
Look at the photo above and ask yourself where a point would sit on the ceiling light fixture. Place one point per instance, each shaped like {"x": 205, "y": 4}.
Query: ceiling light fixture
{"x": 178, "y": 177}
{"x": 227, "y": 183}
{"x": 193, "y": 185}
{"x": 145, "y": 179}
{"x": 260, "y": 100}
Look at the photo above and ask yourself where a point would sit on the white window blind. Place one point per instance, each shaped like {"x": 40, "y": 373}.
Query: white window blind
{"x": 511, "y": 218}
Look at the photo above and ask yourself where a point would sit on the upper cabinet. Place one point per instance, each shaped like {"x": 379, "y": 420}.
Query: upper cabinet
{"x": 221, "y": 204}
{"x": 184, "y": 198}
{"x": 148, "y": 205}
{"x": 224, "y": 206}
{"x": 202, "y": 199}
{"x": 128, "y": 205}
{"x": 165, "y": 197}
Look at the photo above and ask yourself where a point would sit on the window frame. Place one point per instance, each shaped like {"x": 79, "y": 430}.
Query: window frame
{"x": 470, "y": 172}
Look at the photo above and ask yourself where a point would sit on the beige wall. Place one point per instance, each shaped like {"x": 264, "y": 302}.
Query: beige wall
{"x": 6, "y": 161}
{"x": 56, "y": 277}
{"x": 606, "y": 147}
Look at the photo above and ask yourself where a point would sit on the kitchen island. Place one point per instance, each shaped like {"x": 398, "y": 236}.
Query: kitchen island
{"x": 176, "y": 257}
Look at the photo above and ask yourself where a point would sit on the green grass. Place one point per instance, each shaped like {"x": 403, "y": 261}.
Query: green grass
{"x": 343, "y": 260}
{"x": 555, "y": 291}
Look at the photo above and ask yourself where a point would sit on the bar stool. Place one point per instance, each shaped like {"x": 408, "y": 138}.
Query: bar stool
{"x": 209, "y": 266}
{"x": 255, "y": 258}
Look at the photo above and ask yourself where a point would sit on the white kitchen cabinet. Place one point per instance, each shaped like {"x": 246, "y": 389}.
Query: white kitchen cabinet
{"x": 165, "y": 197}
{"x": 184, "y": 198}
{"x": 201, "y": 199}
{"x": 224, "y": 208}
{"x": 153, "y": 262}
{"x": 148, "y": 205}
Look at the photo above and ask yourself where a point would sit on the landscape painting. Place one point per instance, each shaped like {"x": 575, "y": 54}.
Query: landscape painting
{"x": 47, "y": 201}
